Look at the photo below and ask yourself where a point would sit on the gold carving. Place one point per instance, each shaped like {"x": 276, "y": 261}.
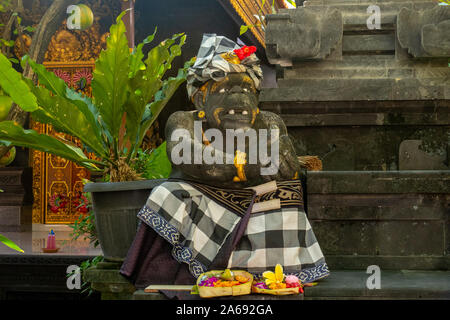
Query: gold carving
{"x": 76, "y": 45}
{"x": 231, "y": 57}
{"x": 22, "y": 45}
{"x": 248, "y": 11}
{"x": 54, "y": 176}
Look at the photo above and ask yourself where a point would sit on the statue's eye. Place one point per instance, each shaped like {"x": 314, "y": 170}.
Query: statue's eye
{"x": 245, "y": 90}
{"x": 222, "y": 91}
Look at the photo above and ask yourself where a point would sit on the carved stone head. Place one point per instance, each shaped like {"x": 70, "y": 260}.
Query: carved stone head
{"x": 231, "y": 103}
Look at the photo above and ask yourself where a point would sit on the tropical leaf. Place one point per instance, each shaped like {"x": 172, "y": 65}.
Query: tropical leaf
{"x": 47, "y": 78}
{"x": 158, "y": 165}
{"x": 110, "y": 82}
{"x": 159, "y": 60}
{"x": 147, "y": 82}
{"x": 292, "y": 2}
{"x": 11, "y": 82}
{"x": 16, "y": 135}
{"x": 125, "y": 87}
{"x": 162, "y": 97}
{"x": 10, "y": 243}
{"x": 89, "y": 109}
{"x": 243, "y": 30}
{"x": 66, "y": 116}
{"x": 137, "y": 55}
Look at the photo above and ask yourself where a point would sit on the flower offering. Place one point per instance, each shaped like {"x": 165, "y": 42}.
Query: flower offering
{"x": 224, "y": 283}
{"x": 277, "y": 283}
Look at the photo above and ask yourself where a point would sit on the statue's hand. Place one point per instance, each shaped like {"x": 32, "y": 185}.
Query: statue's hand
{"x": 289, "y": 164}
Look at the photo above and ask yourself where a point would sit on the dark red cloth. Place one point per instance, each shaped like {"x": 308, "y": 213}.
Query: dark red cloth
{"x": 149, "y": 261}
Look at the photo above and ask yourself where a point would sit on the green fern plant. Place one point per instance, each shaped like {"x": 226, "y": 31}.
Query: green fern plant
{"x": 128, "y": 94}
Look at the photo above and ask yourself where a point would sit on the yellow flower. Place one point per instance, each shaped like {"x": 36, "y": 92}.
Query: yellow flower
{"x": 276, "y": 277}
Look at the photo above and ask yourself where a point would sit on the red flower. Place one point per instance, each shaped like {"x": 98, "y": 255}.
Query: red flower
{"x": 83, "y": 209}
{"x": 57, "y": 201}
{"x": 81, "y": 203}
{"x": 63, "y": 75}
{"x": 245, "y": 52}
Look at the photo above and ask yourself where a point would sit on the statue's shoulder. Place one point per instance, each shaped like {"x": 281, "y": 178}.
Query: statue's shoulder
{"x": 269, "y": 119}
{"x": 181, "y": 119}
{"x": 268, "y": 116}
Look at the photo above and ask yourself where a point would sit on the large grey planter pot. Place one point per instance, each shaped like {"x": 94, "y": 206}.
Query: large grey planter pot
{"x": 115, "y": 206}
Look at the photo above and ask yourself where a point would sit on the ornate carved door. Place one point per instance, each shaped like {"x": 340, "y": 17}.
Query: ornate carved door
{"x": 57, "y": 183}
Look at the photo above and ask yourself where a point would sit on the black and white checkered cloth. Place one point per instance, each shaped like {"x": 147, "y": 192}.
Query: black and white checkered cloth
{"x": 210, "y": 65}
{"x": 197, "y": 220}
{"x": 281, "y": 236}
{"x": 196, "y": 226}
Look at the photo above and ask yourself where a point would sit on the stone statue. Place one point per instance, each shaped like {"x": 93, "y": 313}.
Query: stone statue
{"x": 204, "y": 146}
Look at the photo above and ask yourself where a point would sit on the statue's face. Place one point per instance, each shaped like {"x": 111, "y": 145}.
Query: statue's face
{"x": 232, "y": 103}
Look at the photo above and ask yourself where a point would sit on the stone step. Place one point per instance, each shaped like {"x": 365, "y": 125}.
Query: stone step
{"x": 355, "y": 89}
{"x": 352, "y": 285}
{"x": 430, "y": 75}
{"x": 396, "y": 219}
{"x": 394, "y": 285}
{"x": 364, "y": 62}
{"x": 360, "y": 73}
{"x": 373, "y": 44}
{"x": 352, "y": 2}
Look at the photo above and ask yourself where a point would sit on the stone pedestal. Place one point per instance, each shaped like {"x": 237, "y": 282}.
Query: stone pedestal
{"x": 106, "y": 279}
{"x": 15, "y": 200}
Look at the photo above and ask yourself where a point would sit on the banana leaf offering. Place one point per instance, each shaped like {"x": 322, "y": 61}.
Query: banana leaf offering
{"x": 219, "y": 283}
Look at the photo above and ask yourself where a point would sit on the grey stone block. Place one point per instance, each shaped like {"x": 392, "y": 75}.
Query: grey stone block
{"x": 354, "y": 89}
{"x": 383, "y": 182}
{"x": 378, "y": 207}
{"x": 302, "y": 34}
{"x": 15, "y": 218}
{"x": 388, "y": 238}
{"x": 394, "y": 285}
{"x": 368, "y": 43}
{"x": 362, "y": 141}
{"x": 358, "y": 262}
{"x": 425, "y": 33}
{"x": 411, "y": 157}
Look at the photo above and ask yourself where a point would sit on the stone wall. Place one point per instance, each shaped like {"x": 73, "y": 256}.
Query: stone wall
{"x": 373, "y": 104}
{"x": 354, "y": 99}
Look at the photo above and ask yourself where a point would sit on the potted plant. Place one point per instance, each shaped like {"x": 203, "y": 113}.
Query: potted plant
{"x": 128, "y": 93}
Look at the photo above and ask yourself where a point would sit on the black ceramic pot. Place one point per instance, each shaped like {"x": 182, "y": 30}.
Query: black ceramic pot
{"x": 115, "y": 206}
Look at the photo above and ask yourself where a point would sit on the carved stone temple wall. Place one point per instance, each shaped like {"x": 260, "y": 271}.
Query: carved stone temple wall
{"x": 373, "y": 104}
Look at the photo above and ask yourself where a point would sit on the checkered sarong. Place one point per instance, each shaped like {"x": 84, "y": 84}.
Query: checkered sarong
{"x": 281, "y": 236}
{"x": 197, "y": 220}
